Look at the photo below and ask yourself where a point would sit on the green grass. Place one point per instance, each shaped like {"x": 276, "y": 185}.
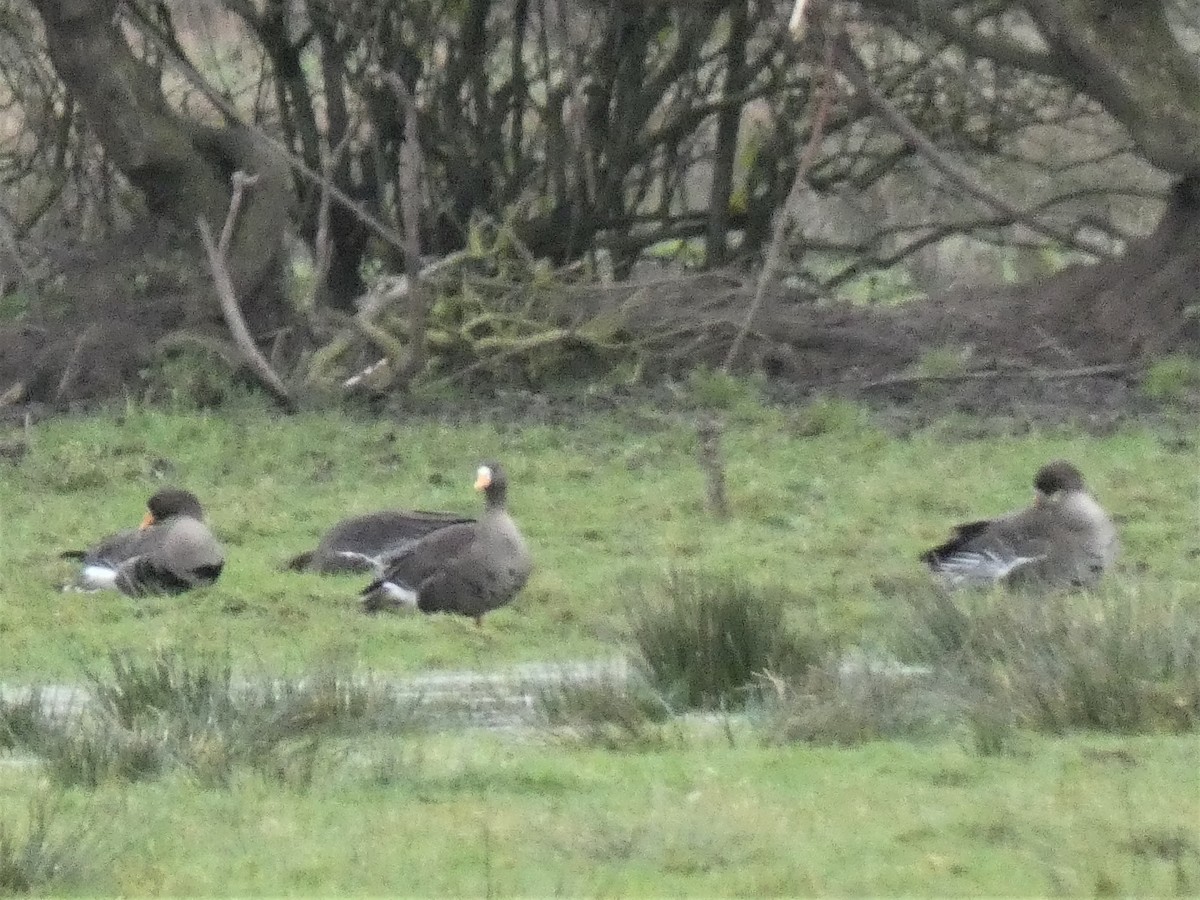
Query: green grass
{"x": 474, "y": 816}
{"x": 835, "y": 792}
{"x": 608, "y": 503}
{"x": 710, "y": 640}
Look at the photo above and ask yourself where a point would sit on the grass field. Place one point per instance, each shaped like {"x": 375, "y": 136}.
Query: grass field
{"x": 607, "y": 504}
{"x": 823, "y": 501}
{"x": 488, "y": 816}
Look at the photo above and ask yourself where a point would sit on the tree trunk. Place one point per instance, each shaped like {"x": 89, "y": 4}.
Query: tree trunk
{"x": 182, "y": 168}
{"x": 1120, "y": 309}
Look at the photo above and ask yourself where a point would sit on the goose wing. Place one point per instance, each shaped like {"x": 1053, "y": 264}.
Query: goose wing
{"x": 989, "y": 551}
{"x": 411, "y": 566}
{"x": 369, "y": 543}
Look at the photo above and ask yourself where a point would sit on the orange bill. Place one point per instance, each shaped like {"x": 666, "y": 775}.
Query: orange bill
{"x": 147, "y": 521}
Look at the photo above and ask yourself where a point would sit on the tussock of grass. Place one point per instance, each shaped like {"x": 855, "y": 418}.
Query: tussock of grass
{"x": 846, "y": 707}
{"x": 165, "y": 712}
{"x": 708, "y": 638}
{"x": 40, "y": 853}
{"x": 607, "y": 711}
{"x": 163, "y": 684}
{"x": 21, "y": 718}
{"x": 91, "y": 752}
{"x": 1118, "y": 660}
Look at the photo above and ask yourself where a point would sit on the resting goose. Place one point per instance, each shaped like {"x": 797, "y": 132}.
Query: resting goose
{"x": 173, "y": 551}
{"x": 1064, "y": 539}
{"x": 369, "y": 543}
{"x": 470, "y": 568}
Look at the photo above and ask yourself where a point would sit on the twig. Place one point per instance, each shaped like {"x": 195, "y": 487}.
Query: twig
{"x": 241, "y": 181}
{"x": 985, "y": 374}
{"x": 228, "y": 296}
{"x": 355, "y": 380}
{"x": 851, "y": 66}
{"x": 71, "y": 369}
{"x": 14, "y": 394}
{"x": 796, "y": 24}
{"x": 784, "y": 221}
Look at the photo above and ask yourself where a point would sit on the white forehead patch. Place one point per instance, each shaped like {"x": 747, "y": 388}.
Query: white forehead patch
{"x": 485, "y": 472}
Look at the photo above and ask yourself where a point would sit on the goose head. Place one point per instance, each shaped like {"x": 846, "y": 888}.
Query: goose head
{"x": 170, "y": 502}
{"x": 1056, "y": 480}
{"x": 493, "y": 482}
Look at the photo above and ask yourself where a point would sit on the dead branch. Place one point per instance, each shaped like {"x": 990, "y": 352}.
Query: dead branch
{"x": 375, "y": 302}
{"x": 852, "y": 67}
{"x": 182, "y": 337}
{"x": 783, "y": 223}
{"x": 796, "y": 24}
{"x": 14, "y": 394}
{"x": 71, "y": 369}
{"x": 228, "y": 296}
{"x": 986, "y": 374}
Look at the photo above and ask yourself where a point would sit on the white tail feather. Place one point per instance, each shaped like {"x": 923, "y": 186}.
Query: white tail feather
{"x": 404, "y": 597}
{"x": 95, "y": 576}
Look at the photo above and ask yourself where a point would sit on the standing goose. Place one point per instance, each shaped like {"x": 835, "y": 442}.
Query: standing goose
{"x": 369, "y": 543}
{"x": 1064, "y": 539}
{"x": 468, "y": 568}
{"x": 173, "y": 551}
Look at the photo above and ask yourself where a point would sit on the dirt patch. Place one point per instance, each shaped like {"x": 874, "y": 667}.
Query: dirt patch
{"x": 96, "y": 322}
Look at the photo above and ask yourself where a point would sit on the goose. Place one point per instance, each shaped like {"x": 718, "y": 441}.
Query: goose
{"x": 469, "y": 568}
{"x": 369, "y": 543}
{"x": 1064, "y": 539}
{"x": 171, "y": 552}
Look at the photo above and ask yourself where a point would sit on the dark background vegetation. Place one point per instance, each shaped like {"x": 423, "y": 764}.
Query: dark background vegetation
{"x": 590, "y": 189}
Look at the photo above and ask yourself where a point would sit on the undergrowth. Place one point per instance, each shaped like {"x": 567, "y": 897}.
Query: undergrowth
{"x": 706, "y": 638}
{"x": 612, "y": 712}
{"x": 43, "y": 848}
{"x": 167, "y": 712}
{"x": 1118, "y": 659}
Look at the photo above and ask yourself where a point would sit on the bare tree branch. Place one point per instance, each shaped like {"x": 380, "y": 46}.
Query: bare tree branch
{"x": 228, "y": 296}
{"x": 851, "y": 66}
{"x": 783, "y": 223}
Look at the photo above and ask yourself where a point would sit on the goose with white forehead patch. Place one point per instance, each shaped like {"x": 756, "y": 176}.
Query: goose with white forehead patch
{"x": 468, "y": 568}
{"x": 1065, "y": 539}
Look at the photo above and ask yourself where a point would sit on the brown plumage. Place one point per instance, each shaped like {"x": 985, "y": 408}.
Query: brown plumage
{"x": 370, "y": 542}
{"x": 173, "y": 551}
{"x": 467, "y": 568}
{"x": 1064, "y": 539}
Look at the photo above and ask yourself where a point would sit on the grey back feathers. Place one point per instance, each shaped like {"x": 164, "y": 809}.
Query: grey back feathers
{"x": 370, "y": 543}
{"x": 1064, "y": 539}
{"x": 173, "y": 552}
{"x": 468, "y": 568}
